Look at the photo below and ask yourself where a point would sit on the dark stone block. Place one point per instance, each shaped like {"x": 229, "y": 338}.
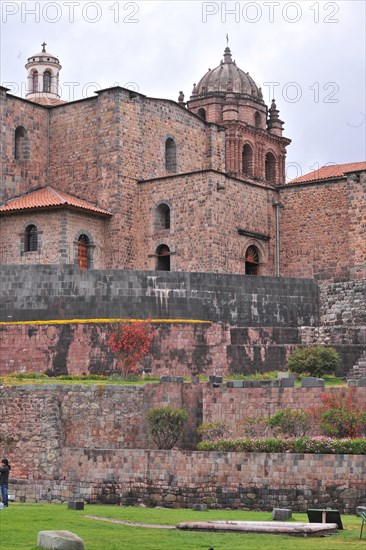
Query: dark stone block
{"x": 75, "y": 505}
{"x": 287, "y": 382}
{"x": 281, "y": 514}
{"x": 215, "y": 379}
{"x": 312, "y": 382}
{"x": 200, "y": 507}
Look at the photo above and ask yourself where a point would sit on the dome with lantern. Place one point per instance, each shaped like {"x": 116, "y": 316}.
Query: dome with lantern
{"x": 227, "y": 77}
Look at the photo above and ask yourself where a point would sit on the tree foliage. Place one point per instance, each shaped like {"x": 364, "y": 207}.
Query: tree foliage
{"x": 314, "y": 361}
{"x": 130, "y": 342}
{"x": 166, "y": 425}
{"x": 340, "y": 416}
{"x": 291, "y": 422}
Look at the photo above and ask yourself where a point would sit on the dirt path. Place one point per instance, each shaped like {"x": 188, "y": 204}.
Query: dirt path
{"x": 132, "y": 523}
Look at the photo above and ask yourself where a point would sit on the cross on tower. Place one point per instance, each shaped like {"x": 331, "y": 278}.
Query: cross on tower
{"x": 44, "y": 46}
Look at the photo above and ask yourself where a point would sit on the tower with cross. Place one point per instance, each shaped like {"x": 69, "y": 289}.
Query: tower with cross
{"x": 43, "y": 71}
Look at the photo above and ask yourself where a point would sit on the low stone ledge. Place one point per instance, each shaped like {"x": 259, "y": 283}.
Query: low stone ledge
{"x": 59, "y": 540}
{"x": 279, "y": 527}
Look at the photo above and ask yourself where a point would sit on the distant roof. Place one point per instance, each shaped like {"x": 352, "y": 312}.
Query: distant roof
{"x": 329, "y": 172}
{"x": 43, "y": 99}
{"x": 48, "y": 197}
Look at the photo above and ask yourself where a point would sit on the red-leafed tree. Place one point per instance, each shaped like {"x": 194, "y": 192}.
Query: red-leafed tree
{"x": 130, "y": 342}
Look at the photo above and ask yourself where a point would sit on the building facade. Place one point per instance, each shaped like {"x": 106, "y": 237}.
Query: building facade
{"x": 124, "y": 181}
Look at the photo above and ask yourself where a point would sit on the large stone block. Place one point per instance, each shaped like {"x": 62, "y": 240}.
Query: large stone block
{"x": 59, "y": 540}
{"x": 281, "y": 514}
{"x": 312, "y": 382}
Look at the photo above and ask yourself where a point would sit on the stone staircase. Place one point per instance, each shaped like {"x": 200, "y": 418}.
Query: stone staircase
{"x": 359, "y": 369}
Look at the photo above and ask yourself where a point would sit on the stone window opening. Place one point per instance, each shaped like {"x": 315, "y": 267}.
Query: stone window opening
{"x": 34, "y": 81}
{"x": 162, "y": 217}
{"x": 47, "y": 81}
{"x": 163, "y": 258}
{"x": 21, "y": 144}
{"x": 270, "y": 168}
{"x": 252, "y": 261}
{"x": 247, "y": 160}
{"x": 83, "y": 252}
{"x": 202, "y": 113}
{"x": 170, "y": 155}
{"x": 31, "y": 239}
{"x": 257, "y": 120}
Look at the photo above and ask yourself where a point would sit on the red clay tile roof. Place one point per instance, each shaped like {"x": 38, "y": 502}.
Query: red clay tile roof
{"x": 47, "y": 197}
{"x": 50, "y": 101}
{"x": 328, "y": 172}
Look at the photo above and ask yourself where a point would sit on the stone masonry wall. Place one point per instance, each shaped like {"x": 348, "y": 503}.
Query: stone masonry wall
{"x": 273, "y": 308}
{"x": 251, "y": 323}
{"x": 321, "y": 230}
{"x": 343, "y": 303}
{"x": 77, "y": 442}
{"x": 249, "y": 481}
{"x": 57, "y": 233}
{"x": 232, "y": 405}
{"x": 178, "y": 348}
{"x": 52, "y": 292}
{"x": 211, "y": 206}
{"x": 19, "y": 176}
{"x": 116, "y": 140}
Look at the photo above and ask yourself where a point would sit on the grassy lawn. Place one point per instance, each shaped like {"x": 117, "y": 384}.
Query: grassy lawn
{"x": 20, "y": 523}
{"x": 33, "y": 378}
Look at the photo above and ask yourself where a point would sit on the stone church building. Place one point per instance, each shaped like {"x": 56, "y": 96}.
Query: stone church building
{"x": 123, "y": 181}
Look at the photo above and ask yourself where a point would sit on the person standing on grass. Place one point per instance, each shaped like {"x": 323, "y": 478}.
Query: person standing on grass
{"x": 4, "y": 480}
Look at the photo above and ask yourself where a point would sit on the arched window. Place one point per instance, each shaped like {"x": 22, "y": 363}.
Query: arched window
{"x": 270, "y": 168}
{"x": 47, "y": 81}
{"x": 162, "y": 217}
{"x": 19, "y": 142}
{"x": 163, "y": 258}
{"x": 247, "y": 159}
{"x": 31, "y": 239}
{"x": 252, "y": 261}
{"x": 83, "y": 255}
{"x": 202, "y": 113}
{"x": 170, "y": 155}
{"x": 257, "y": 120}
{"x": 35, "y": 81}
{"x": 21, "y": 146}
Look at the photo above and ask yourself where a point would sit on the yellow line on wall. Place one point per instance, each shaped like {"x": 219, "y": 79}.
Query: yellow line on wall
{"x": 81, "y": 321}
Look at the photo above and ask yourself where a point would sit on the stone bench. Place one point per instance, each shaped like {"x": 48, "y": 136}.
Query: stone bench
{"x": 59, "y": 540}
{"x": 268, "y": 527}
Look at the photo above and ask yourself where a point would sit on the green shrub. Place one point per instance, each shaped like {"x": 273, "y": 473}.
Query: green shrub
{"x": 314, "y": 361}
{"x": 256, "y": 426}
{"x": 290, "y": 422}
{"x": 318, "y": 445}
{"x": 166, "y": 425}
{"x": 212, "y": 431}
{"x": 29, "y": 375}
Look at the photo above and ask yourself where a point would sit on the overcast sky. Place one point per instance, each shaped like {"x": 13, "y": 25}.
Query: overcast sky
{"x": 309, "y": 55}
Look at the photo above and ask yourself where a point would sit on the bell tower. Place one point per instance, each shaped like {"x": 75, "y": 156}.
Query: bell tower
{"x": 255, "y": 147}
{"x": 43, "y": 78}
